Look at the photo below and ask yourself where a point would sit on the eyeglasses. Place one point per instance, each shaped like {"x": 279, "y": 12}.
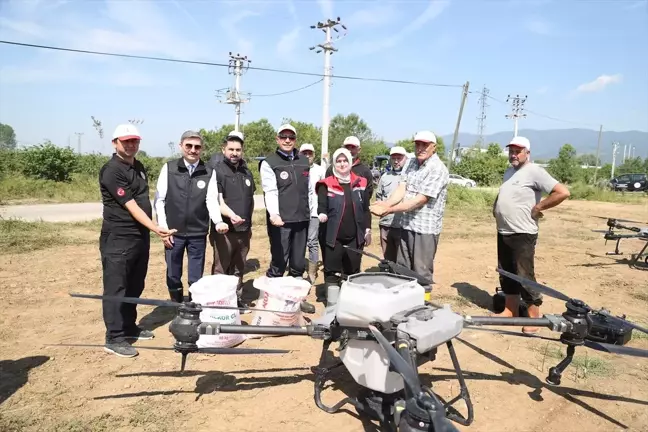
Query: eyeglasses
{"x": 197, "y": 147}
{"x": 287, "y": 136}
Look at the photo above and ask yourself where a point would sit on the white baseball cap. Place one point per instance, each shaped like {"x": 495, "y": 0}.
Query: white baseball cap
{"x": 306, "y": 146}
{"x": 351, "y": 140}
{"x": 287, "y": 126}
{"x": 126, "y": 132}
{"x": 519, "y": 141}
{"x": 425, "y": 136}
{"x": 398, "y": 150}
{"x": 236, "y": 134}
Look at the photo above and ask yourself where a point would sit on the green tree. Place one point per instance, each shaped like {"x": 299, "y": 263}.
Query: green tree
{"x": 485, "y": 167}
{"x": 307, "y": 133}
{"x": 7, "y": 137}
{"x": 565, "y": 167}
{"x": 630, "y": 166}
{"x": 587, "y": 159}
{"x": 49, "y": 162}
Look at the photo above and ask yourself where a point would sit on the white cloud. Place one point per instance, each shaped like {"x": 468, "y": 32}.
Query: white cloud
{"x": 539, "y": 27}
{"x": 637, "y": 4}
{"x": 232, "y": 26}
{"x": 373, "y": 16}
{"x": 542, "y": 90}
{"x": 599, "y": 83}
{"x": 288, "y": 42}
{"x": 434, "y": 9}
{"x": 326, "y": 6}
{"x": 292, "y": 10}
{"x": 140, "y": 28}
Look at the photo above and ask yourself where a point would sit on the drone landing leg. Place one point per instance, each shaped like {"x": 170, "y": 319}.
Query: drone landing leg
{"x": 633, "y": 263}
{"x": 321, "y": 374}
{"x": 616, "y": 249}
{"x": 463, "y": 394}
{"x": 555, "y": 372}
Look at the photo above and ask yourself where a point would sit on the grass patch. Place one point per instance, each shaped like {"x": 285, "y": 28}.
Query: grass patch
{"x": 18, "y": 236}
{"x": 583, "y": 365}
{"x": 580, "y": 191}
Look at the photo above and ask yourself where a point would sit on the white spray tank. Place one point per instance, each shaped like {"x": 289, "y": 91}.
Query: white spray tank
{"x": 374, "y": 297}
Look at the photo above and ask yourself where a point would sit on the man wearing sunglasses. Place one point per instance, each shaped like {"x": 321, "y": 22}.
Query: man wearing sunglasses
{"x": 285, "y": 184}
{"x": 186, "y": 199}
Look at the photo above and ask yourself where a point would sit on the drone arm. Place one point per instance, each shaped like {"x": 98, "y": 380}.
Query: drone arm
{"x": 504, "y": 321}
{"x": 214, "y": 328}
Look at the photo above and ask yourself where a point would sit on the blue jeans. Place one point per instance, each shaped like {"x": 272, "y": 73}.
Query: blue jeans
{"x": 195, "y": 247}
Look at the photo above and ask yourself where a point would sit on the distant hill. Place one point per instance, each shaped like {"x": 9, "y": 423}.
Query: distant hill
{"x": 545, "y": 144}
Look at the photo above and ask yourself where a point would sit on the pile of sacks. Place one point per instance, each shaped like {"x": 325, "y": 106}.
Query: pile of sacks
{"x": 284, "y": 294}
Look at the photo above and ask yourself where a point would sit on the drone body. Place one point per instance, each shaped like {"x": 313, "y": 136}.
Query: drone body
{"x": 637, "y": 233}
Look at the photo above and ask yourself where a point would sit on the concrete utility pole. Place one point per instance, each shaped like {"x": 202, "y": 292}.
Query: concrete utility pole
{"x": 481, "y": 123}
{"x": 79, "y": 134}
{"x": 328, "y": 49}
{"x": 464, "y": 95}
{"x": 136, "y": 121}
{"x": 615, "y": 147}
{"x": 238, "y": 64}
{"x": 517, "y": 106}
{"x": 598, "y": 149}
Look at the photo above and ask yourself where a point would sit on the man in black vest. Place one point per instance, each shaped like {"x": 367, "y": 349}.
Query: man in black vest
{"x": 236, "y": 195}
{"x": 285, "y": 183}
{"x": 125, "y": 240}
{"x": 186, "y": 199}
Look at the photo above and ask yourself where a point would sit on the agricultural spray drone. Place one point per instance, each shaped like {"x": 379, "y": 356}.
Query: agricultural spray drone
{"x": 382, "y": 342}
{"x": 638, "y": 233}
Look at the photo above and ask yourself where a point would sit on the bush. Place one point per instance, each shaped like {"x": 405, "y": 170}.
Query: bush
{"x": 49, "y": 162}
{"x": 469, "y": 199}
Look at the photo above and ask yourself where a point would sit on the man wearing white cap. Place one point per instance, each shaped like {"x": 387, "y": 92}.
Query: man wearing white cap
{"x": 287, "y": 193}
{"x": 517, "y": 208}
{"x": 125, "y": 242}
{"x": 421, "y": 199}
{"x": 352, "y": 143}
{"x": 390, "y": 224}
{"x": 316, "y": 174}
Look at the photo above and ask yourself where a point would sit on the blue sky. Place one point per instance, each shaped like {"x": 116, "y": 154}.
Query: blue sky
{"x": 582, "y": 61}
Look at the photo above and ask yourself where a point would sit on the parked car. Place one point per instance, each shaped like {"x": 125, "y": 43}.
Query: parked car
{"x": 629, "y": 182}
{"x": 462, "y": 181}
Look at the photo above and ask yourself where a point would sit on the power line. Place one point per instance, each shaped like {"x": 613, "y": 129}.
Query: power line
{"x": 289, "y": 91}
{"x": 204, "y": 63}
{"x": 544, "y": 115}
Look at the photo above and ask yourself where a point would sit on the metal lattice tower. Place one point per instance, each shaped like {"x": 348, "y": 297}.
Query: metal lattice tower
{"x": 481, "y": 120}
{"x": 328, "y": 49}
{"x": 517, "y": 106}
{"x": 238, "y": 65}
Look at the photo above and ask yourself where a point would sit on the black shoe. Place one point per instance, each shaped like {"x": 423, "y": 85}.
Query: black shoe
{"x": 307, "y": 307}
{"x": 242, "y": 304}
{"x": 121, "y": 349}
{"x": 141, "y": 334}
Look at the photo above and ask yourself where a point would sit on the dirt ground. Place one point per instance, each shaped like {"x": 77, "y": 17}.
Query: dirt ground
{"x": 85, "y": 389}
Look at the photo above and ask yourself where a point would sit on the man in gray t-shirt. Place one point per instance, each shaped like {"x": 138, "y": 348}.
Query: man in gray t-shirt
{"x": 517, "y": 208}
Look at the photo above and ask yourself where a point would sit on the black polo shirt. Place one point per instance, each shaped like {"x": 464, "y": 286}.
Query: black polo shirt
{"x": 121, "y": 182}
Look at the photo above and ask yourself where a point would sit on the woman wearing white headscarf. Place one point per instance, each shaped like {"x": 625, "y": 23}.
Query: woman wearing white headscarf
{"x": 343, "y": 211}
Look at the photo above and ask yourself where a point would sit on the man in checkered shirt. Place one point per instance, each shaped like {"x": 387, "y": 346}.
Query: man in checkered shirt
{"x": 421, "y": 197}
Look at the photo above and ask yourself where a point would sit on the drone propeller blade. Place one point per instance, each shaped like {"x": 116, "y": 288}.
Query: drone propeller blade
{"x": 398, "y": 268}
{"x": 619, "y": 220}
{"x": 600, "y": 231}
{"x": 623, "y": 321}
{"x": 101, "y": 346}
{"x": 616, "y": 349}
{"x": 535, "y": 285}
{"x": 134, "y": 300}
{"x": 154, "y": 302}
